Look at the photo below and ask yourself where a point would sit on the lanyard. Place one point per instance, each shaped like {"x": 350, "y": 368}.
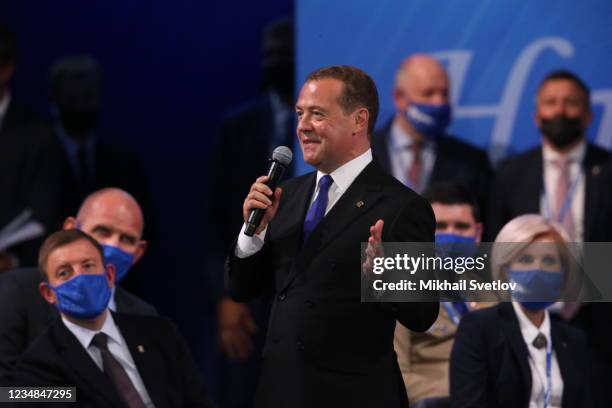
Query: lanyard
{"x": 454, "y": 314}
{"x": 567, "y": 201}
{"x": 548, "y": 389}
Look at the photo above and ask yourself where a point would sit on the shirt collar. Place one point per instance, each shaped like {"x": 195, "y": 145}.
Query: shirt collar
{"x": 576, "y": 155}
{"x": 4, "y": 104}
{"x": 344, "y": 175}
{"x": 400, "y": 140}
{"x": 528, "y": 329}
{"x": 85, "y": 335}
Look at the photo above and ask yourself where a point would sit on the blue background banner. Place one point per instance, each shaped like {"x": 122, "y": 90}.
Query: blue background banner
{"x": 496, "y": 53}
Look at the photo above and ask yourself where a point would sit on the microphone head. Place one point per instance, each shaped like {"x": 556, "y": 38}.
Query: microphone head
{"x": 283, "y": 155}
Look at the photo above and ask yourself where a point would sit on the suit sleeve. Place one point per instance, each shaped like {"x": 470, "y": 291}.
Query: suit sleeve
{"x": 468, "y": 367}
{"x": 414, "y": 223}
{"x": 496, "y": 215}
{"x": 13, "y": 336}
{"x": 250, "y": 277}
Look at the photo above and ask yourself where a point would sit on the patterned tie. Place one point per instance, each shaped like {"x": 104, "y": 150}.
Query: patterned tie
{"x": 116, "y": 373}
{"x": 317, "y": 209}
{"x": 416, "y": 168}
{"x": 561, "y": 192}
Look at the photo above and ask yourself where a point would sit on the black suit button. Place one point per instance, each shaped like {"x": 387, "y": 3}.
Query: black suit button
{"x": 300, "y": 346}
{"x": 282, "y": 296}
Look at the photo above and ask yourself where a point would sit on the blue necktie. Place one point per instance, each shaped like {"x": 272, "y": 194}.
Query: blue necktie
{"x": 317, "y": 209}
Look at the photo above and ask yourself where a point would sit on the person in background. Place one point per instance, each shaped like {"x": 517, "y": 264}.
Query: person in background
{"x": 247, "y": 137}
{"x": 424, "y": 358}
{"x": 115, "y": 220}
{"x": 414, "y": 145}
{"x": 26, "y": 169}
{"x": 569, "y": 180}
{"x": 112, "y": 359}
{"x": 514, "y": 354}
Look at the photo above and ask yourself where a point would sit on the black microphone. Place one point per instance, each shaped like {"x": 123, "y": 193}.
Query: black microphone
{"x": 281, "y": 158}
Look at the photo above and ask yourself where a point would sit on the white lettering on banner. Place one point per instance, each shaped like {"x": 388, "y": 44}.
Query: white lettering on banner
{"x": 505, "y": 113}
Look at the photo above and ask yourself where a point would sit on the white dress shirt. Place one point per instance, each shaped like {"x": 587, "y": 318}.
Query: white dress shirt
{"x": 118, "y": 348}
{"x": 576, "y": 175}
{"x": 343, "y": 177}
{"x": 4, "y": 104}
{"x": 401, "y": 156}
{"x": 537, "y": 361}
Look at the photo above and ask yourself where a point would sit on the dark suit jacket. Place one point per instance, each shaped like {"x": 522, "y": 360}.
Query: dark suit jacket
{"x": 28, "y": 174}
{"x": 325, "y": 348}
{"x": 167, "y": 369}
{"x": 16, "y": 116}
{"x": 518, "y": 186}
{"x": 24, "y": 314}
{"x": 456, "y": 161}
{"x": 490, "y": 366}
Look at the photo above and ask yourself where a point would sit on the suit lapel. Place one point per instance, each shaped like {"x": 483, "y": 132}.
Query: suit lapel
{"x": 513, "y": 333}
{"x": 531, "y": 192}
{"x": 148, "y": 363}
{"x": 356, "y": 201}
{"x": 593, "y": 185}
{"x": 564, "y": 359}
{"x": 81, "y": 362}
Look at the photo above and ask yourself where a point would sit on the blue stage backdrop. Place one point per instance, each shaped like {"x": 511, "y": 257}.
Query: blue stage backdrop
{"x": 495, "y": 51}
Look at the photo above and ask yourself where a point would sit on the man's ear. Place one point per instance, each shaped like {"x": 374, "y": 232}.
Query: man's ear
{"x": 399, "y": 100}
{"x": 140, "y": 251}
{"x": 47, "y": 293}
{"x": 110, "y": 274}
{"x": 70, "y": 223}
{"x": 361, "y": 120}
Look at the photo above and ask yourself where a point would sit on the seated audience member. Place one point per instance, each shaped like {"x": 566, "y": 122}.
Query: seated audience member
{"x": 111, "y": 359}
{"x": 424, "y": 357}
{"x": 114, "y": 219}
{"x": 514, "y": 354}
{"x": 414, "y": 145}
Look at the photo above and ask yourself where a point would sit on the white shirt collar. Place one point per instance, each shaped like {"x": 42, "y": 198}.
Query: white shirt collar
{"x": 344, "y": 175}
{"x": 576, "y": 155}
{"x": 4, "y": 103}
{"x": 85, "y": 335}
{"x": 528, "y": 329}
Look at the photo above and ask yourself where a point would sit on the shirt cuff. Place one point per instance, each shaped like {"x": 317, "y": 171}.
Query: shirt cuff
{"x": 248, "y": 246}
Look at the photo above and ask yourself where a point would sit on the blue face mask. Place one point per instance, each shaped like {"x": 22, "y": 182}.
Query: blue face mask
{"x": 84, "y": 296}
{"x": 536, "y": 289}
{"x": 120, "y": 259}
{"x": 454, "y": 246}
{"x": 430, "y": 120}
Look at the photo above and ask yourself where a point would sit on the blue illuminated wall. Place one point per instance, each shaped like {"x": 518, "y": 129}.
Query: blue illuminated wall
{"x": 496, "y": 53}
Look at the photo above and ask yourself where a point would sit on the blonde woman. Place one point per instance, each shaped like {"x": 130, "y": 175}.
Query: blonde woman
{"x": 513, "y": 354}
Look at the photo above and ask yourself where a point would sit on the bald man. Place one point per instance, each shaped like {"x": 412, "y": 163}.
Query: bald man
{"x": 114, "y": 219}
{"x": 414, "y": 147}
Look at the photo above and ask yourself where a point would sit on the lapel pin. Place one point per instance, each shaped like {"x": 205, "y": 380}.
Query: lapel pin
{"x": 595, "y": 170}
{"x": 359, "y": 204}
{"x": 140, "y": 348}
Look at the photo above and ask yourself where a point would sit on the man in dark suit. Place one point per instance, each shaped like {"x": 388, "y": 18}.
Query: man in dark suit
{"x": 12, "y": 114}
{"x": 569, "y": 180}
{"x": 26, "y": 170}
{"x": 490, "y": 361}
{"x": 247, "y": 137}
{"x": 114, "y": 219}
{"x": 324, "y": 348}
{"x": 414, "y": 146}
{"x": 86, "y": 161}
{"x": 111, "y": 359}
{"x": 566, "y": 178}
